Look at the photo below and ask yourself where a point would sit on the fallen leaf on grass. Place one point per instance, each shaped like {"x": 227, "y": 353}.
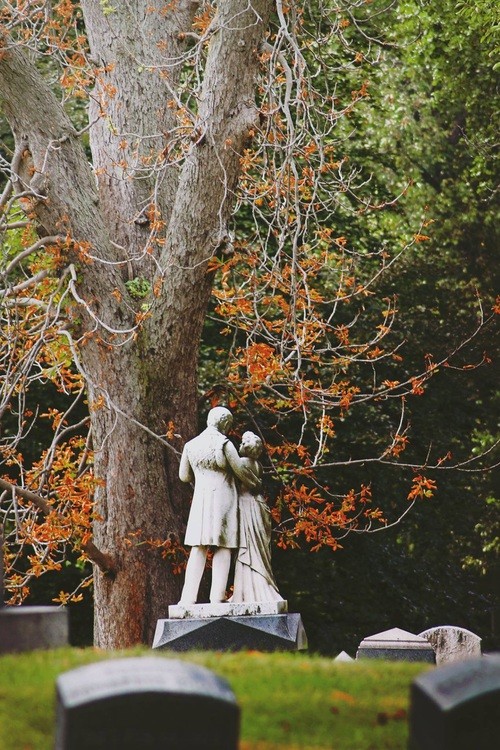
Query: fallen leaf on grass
{"x": 338, "y": 695}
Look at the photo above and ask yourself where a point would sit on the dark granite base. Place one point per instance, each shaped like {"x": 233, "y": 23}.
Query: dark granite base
{"x": 29, "y": 628}
{"x": 397, "y": 654}
{"x": 283, "y": 632}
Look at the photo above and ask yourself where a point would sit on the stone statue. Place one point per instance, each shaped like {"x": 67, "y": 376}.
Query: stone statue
{"x": 253, "y": 576}
{"x": 212, "y": 461}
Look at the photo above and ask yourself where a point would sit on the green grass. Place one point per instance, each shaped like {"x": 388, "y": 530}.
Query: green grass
{"x": 288, "y": 701}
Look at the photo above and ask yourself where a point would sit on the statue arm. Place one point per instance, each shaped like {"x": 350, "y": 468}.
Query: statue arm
{"x": 185, "y": 470}
{"x": 240, "y": 468}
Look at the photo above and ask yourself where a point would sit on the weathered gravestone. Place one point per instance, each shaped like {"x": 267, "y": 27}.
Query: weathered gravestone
{"x": 29, "y": 628}
{"x": 457, "y": 707}
{"x": 452, "y": 644}
{"x": 396, "y": 645}
{"x": 144, "y": 704}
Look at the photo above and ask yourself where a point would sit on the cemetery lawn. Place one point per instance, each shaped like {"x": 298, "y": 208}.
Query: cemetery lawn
{"x": 288, "y": 701}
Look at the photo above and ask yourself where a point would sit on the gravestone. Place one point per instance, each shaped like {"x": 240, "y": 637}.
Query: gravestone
{"x": 452, "y": 644}
{"x": 396, "y": 645}
{"x": 344, "y": 657}
{"x": 456, "y": 707}
{"x": 145, "y": 703}
{"x": 28, "y": 628}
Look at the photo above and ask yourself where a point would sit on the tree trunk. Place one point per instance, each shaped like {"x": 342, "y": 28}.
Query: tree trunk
{"x": 142, "y": 498}
{"x": 140, "y": 368}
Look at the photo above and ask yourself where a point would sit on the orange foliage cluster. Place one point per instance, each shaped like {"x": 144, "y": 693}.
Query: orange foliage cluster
{"x": 305, "y": 513}
{"x": 34, "y": 351}
{"x": 298, "y": 368}
{"x": 422, "y": 488}
{"x": 68, "y": 484}
{"x": 57, "y": 30}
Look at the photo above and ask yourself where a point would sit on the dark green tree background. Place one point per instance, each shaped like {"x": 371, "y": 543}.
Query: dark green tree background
{"x": 428, "y": 130}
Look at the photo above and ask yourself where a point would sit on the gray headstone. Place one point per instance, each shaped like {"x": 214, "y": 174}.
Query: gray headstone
{"x": 396, "y": 645}
{"x": 30, "y": 628}
{"x": 452, "y": 644}
{"x": 144, "y": 704}
{"x": 24, "y": 628}
{"x": 456, "y": 707}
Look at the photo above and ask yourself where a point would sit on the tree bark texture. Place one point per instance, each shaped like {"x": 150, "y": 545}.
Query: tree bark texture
{"x": 138, "y": 383}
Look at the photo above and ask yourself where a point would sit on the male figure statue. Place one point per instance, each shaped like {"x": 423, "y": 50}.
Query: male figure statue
{"x": 212, "y": 461}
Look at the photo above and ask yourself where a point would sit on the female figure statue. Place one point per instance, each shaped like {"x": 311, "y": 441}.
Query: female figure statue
{"x": 253, "y": 576}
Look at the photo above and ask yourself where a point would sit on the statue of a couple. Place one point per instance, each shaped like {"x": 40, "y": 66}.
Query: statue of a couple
{"x": 227, "y": 513}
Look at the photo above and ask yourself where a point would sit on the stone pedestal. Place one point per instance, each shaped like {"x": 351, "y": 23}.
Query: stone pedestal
{"x": 30, "y": 628}
{"x": 260, "y": 626}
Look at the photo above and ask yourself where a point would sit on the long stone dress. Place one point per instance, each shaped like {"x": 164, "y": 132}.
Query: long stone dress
{"x": 213, "y": 517}
{"x": 253, "y": 575}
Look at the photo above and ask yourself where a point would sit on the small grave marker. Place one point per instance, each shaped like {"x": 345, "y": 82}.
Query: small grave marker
{"x": 145, "y": 703}
{"x": 343, "y": 657}
{"x": 396, "y": 645}
{"x": 456, "y": 707}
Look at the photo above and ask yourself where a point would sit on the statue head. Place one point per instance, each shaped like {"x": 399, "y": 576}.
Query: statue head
{"x": 220, "y": 418}
{"x": 251, "y": 445}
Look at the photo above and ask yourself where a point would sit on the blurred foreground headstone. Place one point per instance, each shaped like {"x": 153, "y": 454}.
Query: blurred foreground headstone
{"x": 457, "y": 707}
{"x": 145, "y": 704}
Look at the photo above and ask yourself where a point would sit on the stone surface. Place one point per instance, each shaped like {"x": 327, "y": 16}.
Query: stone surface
{"x": 452, "y": 644}
{"x": 226, "y": 609}
{"x": 144, "y": 704}
{"x": 283, "y": 632}
{"x": 343, "y": 657}
{"x": 456, "y": 707}
{"x": 31, "y": 628}
{"x": 396, "y": 645}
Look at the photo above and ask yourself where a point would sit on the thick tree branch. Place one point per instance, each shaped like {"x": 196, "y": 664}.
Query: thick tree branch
{"x": 227, "y": 113}
{"x": 207, "y": 187}
{"x": 53, "y": 171}
{"x": 141, "y": 50}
